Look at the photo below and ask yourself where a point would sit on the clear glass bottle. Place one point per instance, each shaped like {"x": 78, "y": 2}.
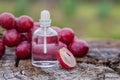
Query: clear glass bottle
{"x": 45, "y": 43}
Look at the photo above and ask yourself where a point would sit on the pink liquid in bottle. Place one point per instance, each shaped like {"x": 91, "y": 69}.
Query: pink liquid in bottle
{"x": 39, "y": 57}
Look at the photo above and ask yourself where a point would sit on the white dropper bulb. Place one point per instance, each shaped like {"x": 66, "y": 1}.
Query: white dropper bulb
{"x": 45, "y": 22}
{"x": 45, "y": 15}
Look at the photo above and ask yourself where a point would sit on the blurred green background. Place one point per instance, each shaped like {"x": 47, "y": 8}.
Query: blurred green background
{"x": 90, "y": 19}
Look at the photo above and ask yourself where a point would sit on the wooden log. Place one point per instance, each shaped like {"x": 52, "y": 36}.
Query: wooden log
{"x": 91, "y": 67}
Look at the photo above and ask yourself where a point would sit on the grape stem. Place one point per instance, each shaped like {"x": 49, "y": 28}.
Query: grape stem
{"x": 17, "y": 60}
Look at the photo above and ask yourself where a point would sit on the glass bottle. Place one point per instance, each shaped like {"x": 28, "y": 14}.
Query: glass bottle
{"x": 44, "y": 43}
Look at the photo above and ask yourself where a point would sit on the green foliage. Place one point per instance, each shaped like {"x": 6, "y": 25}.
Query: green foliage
{"x": 21, "y": 7}
{"x": 103, "y": 10}
{"x": 69, "y": 7}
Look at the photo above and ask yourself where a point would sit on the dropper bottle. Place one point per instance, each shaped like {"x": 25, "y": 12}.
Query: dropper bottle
{"x": 44, "y": 43}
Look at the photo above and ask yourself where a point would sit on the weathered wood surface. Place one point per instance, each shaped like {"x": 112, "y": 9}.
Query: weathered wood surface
{"x": 101, "y": 63}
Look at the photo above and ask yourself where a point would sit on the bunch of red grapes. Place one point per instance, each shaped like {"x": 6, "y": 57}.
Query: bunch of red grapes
{"x": 18, "y": 33}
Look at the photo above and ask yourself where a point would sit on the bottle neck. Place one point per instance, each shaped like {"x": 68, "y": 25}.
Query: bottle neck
{"x": 45, "y": 23}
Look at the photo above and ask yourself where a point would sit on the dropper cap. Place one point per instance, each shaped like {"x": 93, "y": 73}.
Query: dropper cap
{"x": 45, "y": 15}
{"x": 45, "y": 20}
